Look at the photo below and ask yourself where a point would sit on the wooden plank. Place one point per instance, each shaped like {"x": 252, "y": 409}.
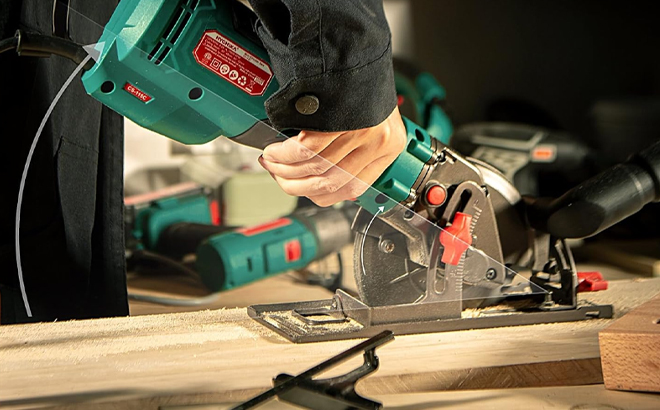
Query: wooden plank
{"x": 641, "y": 257}
{"x": 594, "y": 397}
{"x": 630, "y": 350}
{"x": 277, "y": 289}
{"x": 224, "y": 355}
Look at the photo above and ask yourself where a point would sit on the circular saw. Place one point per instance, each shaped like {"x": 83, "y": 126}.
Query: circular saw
{"x": 465, "y": 250}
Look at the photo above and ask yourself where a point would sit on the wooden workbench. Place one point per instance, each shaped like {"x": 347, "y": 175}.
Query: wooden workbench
{"x": 221, "y": 355}
{"x": 591, "y": 397}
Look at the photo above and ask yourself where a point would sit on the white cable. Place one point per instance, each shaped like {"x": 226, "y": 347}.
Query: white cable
{"x": 24, "y": 177}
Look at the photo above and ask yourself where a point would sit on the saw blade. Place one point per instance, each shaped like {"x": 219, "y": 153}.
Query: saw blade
{"x": 389, "y": 279}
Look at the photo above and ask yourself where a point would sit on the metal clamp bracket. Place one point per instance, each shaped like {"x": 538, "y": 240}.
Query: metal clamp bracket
{"x": 336, "y": 393}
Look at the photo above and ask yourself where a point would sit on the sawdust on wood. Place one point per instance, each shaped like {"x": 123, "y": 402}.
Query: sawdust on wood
{"x": 104, "y": 337}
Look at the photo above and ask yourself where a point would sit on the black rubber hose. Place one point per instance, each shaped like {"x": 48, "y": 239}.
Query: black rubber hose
{"x": 8, "y": 44}
{"x": 601, "y": 201}
{"x": 39, "y": 45}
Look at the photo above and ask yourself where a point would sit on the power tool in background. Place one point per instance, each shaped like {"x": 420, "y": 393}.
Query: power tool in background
{"x": 148, "y": 215}
{"x": 422, "y": 99}
{"x": 164, "y": 227}
{"x": 538, "y": 161}
{"x": 436, "y": 233}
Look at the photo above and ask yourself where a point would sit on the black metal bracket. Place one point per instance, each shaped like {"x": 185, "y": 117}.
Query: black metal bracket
{"x": 336, "y": 393}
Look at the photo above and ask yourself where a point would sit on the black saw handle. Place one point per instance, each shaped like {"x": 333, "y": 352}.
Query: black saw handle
{"x": 601, "y": 201}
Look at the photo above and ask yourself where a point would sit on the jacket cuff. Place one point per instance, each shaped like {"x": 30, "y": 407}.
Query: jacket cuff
{"x": 353, "y": 99}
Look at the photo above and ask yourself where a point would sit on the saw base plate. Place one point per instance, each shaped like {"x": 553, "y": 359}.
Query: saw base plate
{"x": 326, "y": 320}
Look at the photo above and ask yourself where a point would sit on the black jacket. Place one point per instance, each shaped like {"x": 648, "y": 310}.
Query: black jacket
{"x": 72, "y": 239}
{"x": 337, "y": 51}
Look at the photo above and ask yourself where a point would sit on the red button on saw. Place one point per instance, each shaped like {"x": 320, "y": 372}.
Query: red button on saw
{"x": 292, "y": 251}
{"x": 456, "y": 238}
{"x": 436, "y": 195}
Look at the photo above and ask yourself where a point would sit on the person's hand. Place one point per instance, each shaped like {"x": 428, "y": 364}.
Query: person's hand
{"x": 361, "y": 157}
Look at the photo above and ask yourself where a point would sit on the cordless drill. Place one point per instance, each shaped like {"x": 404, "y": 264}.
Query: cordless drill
{"x": 179, "y": 221}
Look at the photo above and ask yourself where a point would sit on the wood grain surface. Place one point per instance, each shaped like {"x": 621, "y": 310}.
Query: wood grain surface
{"x": 223, "y": 355}
{"x": 592, "y": 397}
{"x": 630, "y": 350}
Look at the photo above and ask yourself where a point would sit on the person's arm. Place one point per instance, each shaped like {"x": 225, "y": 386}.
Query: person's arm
{"x": 333, "y": 60}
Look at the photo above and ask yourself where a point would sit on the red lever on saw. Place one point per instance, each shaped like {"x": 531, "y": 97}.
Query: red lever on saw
{"x": 591, "y": 282}
{"x": 456, "y": 238}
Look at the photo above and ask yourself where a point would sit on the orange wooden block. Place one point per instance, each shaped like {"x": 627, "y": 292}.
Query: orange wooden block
{"x": 630, "y": 350}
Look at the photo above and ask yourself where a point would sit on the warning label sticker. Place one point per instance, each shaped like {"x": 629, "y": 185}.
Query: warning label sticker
{"x": 233, "y": 63}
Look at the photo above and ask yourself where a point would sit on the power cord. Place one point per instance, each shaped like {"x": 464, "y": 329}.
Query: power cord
{"x": 147, "y": 259}
{"x": 168, "y": 301}
{"x": 40, "y": 45}
{"x": 8, "y": 44}
{"x": 143, "y": 258}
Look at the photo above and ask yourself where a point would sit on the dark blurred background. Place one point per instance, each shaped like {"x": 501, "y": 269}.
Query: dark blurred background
{"x": 589, "y": 67}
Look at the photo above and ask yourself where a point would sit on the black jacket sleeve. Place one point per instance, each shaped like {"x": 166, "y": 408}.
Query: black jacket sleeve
{"x": 333, "y": 60}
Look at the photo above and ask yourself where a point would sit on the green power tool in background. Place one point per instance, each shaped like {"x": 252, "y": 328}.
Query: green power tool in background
{"x": 167, "y": 226}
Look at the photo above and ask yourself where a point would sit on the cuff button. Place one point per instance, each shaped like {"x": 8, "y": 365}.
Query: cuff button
{"x": 307, "y": 104}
